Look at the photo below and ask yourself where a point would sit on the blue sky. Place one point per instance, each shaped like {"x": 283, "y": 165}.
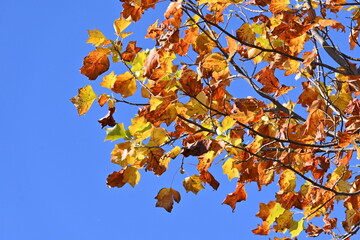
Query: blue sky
{"x": 54, "y": 163}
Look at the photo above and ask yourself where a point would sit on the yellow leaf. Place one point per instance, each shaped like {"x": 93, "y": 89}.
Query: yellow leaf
{"x": 193, "y": 184}
{"x": 96, "y": 37}
{"x": 155, "y": 102}
{"x": 245, "y": 33}
{"x": 140, "y": 128}
{"x": 277, "y": 6}
{"x": 296, "y": 228}
{"x": 287, "y": 181}
{"x": 84, "y": 99}
{"x": 274, "y": 213}
{"x": 229, "y": 169}
{"x": 108, "y": 80}
{"x": 124, "y": 35}
{"x": 341, "y": 100}
{"x": 131, "y": 176}
{"x": 227, "y": 123}
{"x": 165, "y": 160}
{"x": 124, "y": 154}
{"x": 158, "y": 137}
{"x": 120, "y": 25}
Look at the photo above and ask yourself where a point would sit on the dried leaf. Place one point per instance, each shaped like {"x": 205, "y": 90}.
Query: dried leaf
{"x": 96, "y": 63}
{"x": 166, "y": 197}
{"x": 237, "y": 196}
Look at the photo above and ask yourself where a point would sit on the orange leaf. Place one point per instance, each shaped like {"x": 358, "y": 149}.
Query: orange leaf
{"x": 237, "y": 196}
{"x": 206, "y": 177}
{"x": 190, "y": 82}
{"x": 125, "y": 84}
{"x": 267, "y": 78}
{"x": 263, "y": 229}
{"x": 329, "y": 22}
{"x": 277, "y": 6}
{"x": 96, "y": 63}
{"x": 166, "y": 198}
{"x": 308, "y": 96}
{"x": 130, "y": 52}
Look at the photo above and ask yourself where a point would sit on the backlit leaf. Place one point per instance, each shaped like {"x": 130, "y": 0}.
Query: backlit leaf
{"x": 96, "y": 63}
{"x": 121, "y": 24}
{"x": 84, "y": 99}
{"x": 96, "y": 37}
{"x": 237, "y": 196}
{"x": 296, "y": 228}
{"x": 117, "y": 132}
{"x": 125, "y": 84}
{"x": 229, "y": 169}
{"x": 245, "y": 33}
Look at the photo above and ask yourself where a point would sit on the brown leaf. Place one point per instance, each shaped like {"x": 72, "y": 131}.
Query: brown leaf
{"x": 151, "y": 63}
{"x": 132, "y": 10}
{"x": 116, "y": 179}
{"x": 190, "y": 82}
{"x": 96, "y": 63}
{"x": 237, "y": 196}
{"x": 266, "y": 77}
{"x": 166, "y": 198}
{"x": 313, "y": 230}
{"x": 353, "y": 107}
{"x": 197, "y": 148}
{"x": 206, "y": 177}
{"x": 152, "y": 161}
{"x": 130, "y": 52}
{"x": 108, "y": 120}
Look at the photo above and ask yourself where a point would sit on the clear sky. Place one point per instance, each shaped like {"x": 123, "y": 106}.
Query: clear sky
{"x": 54, "y": 163}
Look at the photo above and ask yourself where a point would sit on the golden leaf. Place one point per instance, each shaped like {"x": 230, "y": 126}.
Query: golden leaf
{"x": 193, "y": 184}
{"x": 125, "y": 84}
{"x": 121, "y": 24}
{"x": 246, "y": 34}
{"x": 277, "y": 6}
{"x": 96, "y": 37}
{"x": 84, "y": 99}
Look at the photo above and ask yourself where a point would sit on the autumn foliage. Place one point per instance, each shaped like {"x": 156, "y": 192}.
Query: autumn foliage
{"x": 299, "y": 60}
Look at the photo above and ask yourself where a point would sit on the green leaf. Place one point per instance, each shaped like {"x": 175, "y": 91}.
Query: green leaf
{"x": 296, "y": 228}
{"x": 117, "y": 132}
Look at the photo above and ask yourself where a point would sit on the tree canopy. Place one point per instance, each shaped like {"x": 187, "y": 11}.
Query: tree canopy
{"x": 299, "y": 61}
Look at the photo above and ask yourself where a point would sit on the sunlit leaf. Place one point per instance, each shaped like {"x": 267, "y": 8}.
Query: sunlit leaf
{"x": 84, "y": 99}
